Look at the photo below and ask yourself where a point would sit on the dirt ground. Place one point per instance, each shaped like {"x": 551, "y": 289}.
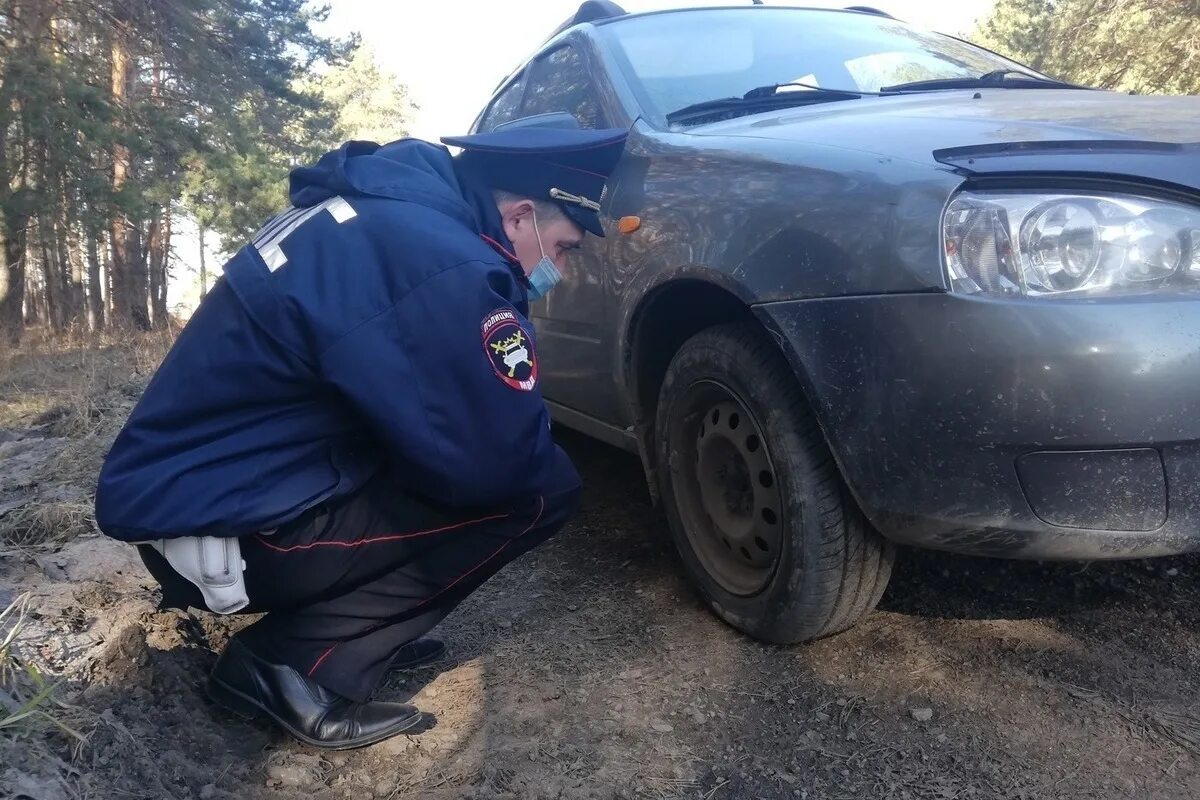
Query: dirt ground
{"x": 589, "y": 669}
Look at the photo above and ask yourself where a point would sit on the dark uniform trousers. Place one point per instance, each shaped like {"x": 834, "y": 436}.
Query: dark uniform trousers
{"x": 346, "y": 585}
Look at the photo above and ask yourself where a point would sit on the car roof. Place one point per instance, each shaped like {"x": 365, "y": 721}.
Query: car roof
{"x": 604, "y": 12}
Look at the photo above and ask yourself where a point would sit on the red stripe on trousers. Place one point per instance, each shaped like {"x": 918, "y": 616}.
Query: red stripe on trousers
{"x": 375, "y": 539}
{"x": 447, "y": 587}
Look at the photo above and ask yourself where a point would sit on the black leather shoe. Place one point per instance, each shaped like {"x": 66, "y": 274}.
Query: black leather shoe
{"x": 416, "y": 653}
{"x": 247, "y": 685}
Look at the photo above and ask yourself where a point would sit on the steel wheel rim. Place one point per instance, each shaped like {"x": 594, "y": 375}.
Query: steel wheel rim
{"x": 728, "y": 489}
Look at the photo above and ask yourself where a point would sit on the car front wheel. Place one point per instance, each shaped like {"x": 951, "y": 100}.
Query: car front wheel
{"x": 757, "y": 509}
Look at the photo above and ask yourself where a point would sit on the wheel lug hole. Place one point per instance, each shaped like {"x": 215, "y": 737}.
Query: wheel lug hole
{"x": 766, "y": 479}
{"x": 769, "y": 516}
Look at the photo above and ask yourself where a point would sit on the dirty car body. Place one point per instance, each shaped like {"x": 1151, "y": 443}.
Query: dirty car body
{"x": 986, "y": 290}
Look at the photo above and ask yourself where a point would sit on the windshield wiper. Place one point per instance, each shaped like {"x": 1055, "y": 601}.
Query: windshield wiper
{"x": 762, "y": 98}
{"x": 999, "y": 78}
{"x": 772, "y": 90}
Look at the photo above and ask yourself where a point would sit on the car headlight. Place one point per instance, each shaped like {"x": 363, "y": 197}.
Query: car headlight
{"x": 1054, "y": 244}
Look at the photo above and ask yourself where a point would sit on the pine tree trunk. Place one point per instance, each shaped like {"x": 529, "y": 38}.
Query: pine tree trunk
{"x": 95, "y": 283}
{"x": 136, "y": 280}
{"x": 62, "y": 270}
{"x": 70, "y": 254}
{"x": 12, "y": 245}
{"x": 12, "y": 280}
{"x": 158, "y": 240}
{"x": 160, "y": 310}
{"x": 155, "y": 245}
{"x": 51, "y": 284}
{"x": 14, "y": 176}
{"x": 37, "y": 305}
{"x": 203, "y": 266}
{"x": 73, "y": 258}
{"x": 124, "y": 288}
{"x": 109, "y": 313}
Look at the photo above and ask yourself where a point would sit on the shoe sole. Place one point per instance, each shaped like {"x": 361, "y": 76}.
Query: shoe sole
{"x": 246, "y": 707}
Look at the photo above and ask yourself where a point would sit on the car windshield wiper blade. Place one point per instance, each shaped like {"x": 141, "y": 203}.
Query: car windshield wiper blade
{"x": 772, "y": 90}
{"x": 1000, "y": 78}
{"x": 760, "y": 100}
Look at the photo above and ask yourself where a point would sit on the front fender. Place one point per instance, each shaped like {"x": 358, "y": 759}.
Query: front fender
{"x": 648, "y": 287}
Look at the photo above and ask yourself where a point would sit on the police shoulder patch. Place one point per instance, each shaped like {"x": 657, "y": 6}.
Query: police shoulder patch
{"x": 510, "y": 349}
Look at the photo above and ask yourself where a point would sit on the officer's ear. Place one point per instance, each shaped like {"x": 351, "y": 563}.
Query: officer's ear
{"x": 517, "y": 217}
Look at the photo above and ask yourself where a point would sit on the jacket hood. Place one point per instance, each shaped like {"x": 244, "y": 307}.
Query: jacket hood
{"x": 407, "y": 169}
{"x": 411, "y": 170}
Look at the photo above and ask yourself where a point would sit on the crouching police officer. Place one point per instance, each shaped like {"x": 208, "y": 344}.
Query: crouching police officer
{"x": 348, "y": 435}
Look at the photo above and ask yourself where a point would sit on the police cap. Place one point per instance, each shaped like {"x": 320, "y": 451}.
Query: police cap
{"x": 547, "y": 157}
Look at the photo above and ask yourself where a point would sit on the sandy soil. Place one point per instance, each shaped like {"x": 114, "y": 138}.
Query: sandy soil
{"x": 589, "y": 669}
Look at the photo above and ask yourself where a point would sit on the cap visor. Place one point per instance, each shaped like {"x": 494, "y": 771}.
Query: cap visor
{"x": 588, "y": 220}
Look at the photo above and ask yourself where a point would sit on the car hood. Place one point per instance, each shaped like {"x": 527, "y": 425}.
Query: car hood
{"x": 914, "y": 126}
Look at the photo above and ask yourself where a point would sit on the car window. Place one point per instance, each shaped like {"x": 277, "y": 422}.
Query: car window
{"x": 886, "y": 69}
{"x": 505, "y": 107}
{"x": 679, "y": 58}
{"x": 559, "y": 81}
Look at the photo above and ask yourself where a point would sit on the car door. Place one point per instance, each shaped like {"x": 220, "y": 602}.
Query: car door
{"x": 575, "y": 367}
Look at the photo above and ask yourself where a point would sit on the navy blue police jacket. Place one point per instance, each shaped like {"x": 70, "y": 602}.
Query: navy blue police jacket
{"x": 378, "y": 324}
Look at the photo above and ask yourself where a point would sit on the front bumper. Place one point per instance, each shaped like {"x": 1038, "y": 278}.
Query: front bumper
{"x": 1022, "y": 429}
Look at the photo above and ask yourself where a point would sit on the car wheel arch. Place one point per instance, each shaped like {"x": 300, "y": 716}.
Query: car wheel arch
{"x": 656, "y": 326}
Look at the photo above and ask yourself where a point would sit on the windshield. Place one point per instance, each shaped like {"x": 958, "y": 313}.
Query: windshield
{"x": 681, "y": 58}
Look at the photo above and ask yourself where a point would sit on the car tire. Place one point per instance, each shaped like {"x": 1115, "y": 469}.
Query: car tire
{"x": 760, "y": 516}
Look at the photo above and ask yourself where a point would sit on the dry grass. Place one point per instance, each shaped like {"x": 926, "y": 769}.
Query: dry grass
{"x": 1180, "y": 727}
{"x": 74, "y": 384}
{"x": 39, "y": 522}
{"x": 79, "y": 389}
{"x": 27, "y": 701}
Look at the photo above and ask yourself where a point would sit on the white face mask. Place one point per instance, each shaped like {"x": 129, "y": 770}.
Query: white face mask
{"x": 545, "y": 276}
